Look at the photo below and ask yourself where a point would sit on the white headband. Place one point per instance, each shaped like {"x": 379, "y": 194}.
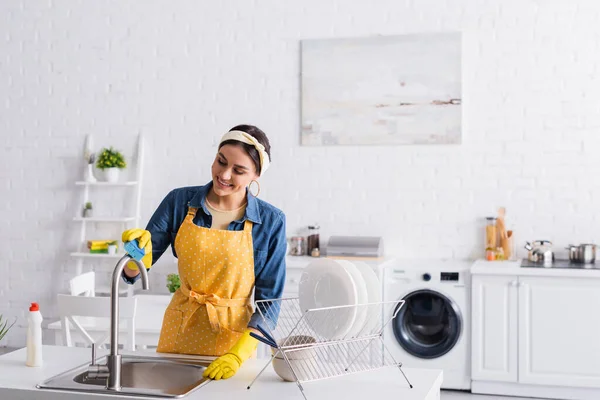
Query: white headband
{"x": 244, "y": 137}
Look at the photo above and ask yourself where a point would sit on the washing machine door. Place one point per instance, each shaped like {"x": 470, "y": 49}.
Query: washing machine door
{"x": 428, "y": 325}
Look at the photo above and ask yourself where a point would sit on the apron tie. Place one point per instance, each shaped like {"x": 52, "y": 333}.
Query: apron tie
{"x": 210, "y": 300}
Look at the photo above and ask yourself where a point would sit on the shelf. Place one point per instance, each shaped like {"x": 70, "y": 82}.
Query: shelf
{"x": 84, "y": 183}
{"x": 105, "y": 219}
{"x": 96, "y": 255}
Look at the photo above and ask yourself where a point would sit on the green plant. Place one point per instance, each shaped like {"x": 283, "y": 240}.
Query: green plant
{"x": 173, "y": 282}
{"x": 3, "y": 329}
{"x": 88, "y": 205}
{"x": 110, "y": 158}
{"x": 113, "y": 242}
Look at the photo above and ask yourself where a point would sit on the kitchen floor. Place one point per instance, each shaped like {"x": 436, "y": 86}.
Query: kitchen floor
{"x": 457, "y": 395}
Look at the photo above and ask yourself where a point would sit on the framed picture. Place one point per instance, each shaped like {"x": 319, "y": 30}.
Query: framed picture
{"x": 387, "y": 90}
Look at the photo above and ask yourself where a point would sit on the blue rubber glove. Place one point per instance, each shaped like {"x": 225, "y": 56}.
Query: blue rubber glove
{"x": 144, "y": 242}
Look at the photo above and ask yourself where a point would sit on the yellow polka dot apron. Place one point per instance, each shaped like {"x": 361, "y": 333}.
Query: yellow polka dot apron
{"x": 212, "y": 308}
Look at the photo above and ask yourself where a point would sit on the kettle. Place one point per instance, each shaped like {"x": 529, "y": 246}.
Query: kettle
{"x": 540, "y": 252}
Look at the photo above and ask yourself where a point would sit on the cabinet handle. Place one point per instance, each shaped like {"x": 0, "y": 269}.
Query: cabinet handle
{"x": 514, "y": 283}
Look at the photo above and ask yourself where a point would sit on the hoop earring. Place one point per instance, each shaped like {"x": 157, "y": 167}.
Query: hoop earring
{"x": 258, "y": 191}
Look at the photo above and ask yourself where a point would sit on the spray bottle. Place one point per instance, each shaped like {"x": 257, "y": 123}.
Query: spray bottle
{"x": 34, "y": 337}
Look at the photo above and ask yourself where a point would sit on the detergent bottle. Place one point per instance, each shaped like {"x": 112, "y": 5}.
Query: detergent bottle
{"x": 34, "y": 337}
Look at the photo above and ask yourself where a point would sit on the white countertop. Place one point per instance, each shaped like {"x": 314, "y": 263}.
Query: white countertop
{"x": 17, "y": 381}
{"x": 483, "y": 267}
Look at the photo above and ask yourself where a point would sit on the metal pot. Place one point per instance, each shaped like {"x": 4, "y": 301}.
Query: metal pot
{"x": 540, "y": 252}
{"x": 583, "y": 254}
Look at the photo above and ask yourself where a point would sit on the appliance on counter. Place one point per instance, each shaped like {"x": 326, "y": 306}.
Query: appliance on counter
{"x": 355, "y": 246}
{"x": 540, "y": 251}
{"x": 432, "y": 329}
{"x": 583, "y": 253}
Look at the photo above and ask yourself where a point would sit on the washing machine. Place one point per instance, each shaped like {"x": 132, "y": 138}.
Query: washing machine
{"x": 432, "y": 328}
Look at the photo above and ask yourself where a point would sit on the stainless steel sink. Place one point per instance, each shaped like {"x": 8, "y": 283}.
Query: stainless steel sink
{"x": 159, "y": 376}
{"x": 131, "y": 375}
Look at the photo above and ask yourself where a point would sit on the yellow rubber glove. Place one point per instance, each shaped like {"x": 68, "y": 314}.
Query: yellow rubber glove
{"x": 144, "y": 242}
{"x": 228, "y": 364}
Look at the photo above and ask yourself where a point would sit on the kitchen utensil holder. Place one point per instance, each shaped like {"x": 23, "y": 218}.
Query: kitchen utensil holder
{"x": 304, "y": 341}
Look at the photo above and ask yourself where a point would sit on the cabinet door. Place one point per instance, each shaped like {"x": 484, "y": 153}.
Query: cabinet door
{"x": 494, "y": 328}
{"x": 559, "y": 331}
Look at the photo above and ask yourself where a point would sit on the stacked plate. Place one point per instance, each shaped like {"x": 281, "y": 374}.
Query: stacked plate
{"x": 335, "y": 290}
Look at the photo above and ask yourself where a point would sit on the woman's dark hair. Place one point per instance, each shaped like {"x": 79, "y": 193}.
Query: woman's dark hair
{"x": 251, "y": 150}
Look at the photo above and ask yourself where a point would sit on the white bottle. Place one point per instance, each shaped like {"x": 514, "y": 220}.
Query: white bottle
{"x": 34, "y": 337}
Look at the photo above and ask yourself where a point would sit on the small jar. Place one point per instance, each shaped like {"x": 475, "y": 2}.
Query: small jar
{"x": 313, "y": 238}
{"x": 297, "y": 246}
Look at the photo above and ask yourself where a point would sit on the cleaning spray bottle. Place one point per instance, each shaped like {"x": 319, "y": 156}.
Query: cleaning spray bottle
{"x": 34, "y": 337}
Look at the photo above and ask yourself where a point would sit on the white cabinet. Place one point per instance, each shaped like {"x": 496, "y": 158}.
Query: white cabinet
{"x": 494, "y": 324}
{"x": 536, "y": 330}
{"x": 559, "y": 331}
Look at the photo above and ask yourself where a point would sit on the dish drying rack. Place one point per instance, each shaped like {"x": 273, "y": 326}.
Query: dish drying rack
{"x": 316, "y": 344}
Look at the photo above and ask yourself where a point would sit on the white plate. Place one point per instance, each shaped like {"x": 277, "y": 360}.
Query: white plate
{"x": 326, "y": 283}
{"x": 362, "y": 297}
{"x": 373, "y": 322}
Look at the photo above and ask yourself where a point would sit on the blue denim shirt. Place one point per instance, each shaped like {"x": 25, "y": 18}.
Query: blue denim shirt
{"x": 268, "y": 236}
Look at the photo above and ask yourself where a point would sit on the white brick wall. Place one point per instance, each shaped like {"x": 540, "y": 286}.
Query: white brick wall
{"x": 183, "y": 72}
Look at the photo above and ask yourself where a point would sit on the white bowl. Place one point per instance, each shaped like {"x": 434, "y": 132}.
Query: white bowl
{"x": 301, "y": 359}
{"x": 282, "y": 369}
{"x": 305, "y": 347}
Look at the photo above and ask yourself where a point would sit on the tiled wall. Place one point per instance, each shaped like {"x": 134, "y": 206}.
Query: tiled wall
{"x": 183, "y": 72}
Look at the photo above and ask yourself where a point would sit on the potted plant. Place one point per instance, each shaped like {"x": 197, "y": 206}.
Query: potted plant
{"x": 112, "y": 247}
{"x": 87, "y": 210}
{"x": 3, "y": 326}
{"x": 173, "y": 282}
{"x": 110, "y": 162}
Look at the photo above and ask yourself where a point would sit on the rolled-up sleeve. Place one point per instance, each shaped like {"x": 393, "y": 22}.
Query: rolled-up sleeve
{"x": 160, "y": 227}
{"x": 270, "y": 280}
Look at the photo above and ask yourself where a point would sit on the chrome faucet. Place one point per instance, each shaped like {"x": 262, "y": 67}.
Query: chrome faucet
{"x": 112, "y": 369}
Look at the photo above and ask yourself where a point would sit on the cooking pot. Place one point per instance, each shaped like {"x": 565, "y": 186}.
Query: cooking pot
{"x": 583, "y": 254}
{"x": 540, "y": 252}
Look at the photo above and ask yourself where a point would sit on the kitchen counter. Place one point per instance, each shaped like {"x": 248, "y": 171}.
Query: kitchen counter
{"x": 483, "y": 267}
{"x": 17, "y": 381}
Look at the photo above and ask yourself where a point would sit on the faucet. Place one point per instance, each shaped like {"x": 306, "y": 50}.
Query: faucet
{"x": 112, "y": 369}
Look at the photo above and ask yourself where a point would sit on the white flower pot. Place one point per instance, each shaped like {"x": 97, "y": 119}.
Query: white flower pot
{"x": 111, "y": 175}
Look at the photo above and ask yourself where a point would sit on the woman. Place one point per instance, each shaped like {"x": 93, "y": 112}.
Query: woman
{"x": 228, "y": 242}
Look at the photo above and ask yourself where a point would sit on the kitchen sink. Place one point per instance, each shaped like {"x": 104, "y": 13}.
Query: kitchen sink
{"x": 151, "y": 376}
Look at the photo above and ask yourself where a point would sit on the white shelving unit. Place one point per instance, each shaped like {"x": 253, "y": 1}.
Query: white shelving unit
{"x": 126, "y": 222}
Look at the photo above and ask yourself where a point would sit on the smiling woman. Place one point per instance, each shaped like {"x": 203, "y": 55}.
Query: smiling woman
{"x": 229, "y": 244}
{"x": 244, "y": 155}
